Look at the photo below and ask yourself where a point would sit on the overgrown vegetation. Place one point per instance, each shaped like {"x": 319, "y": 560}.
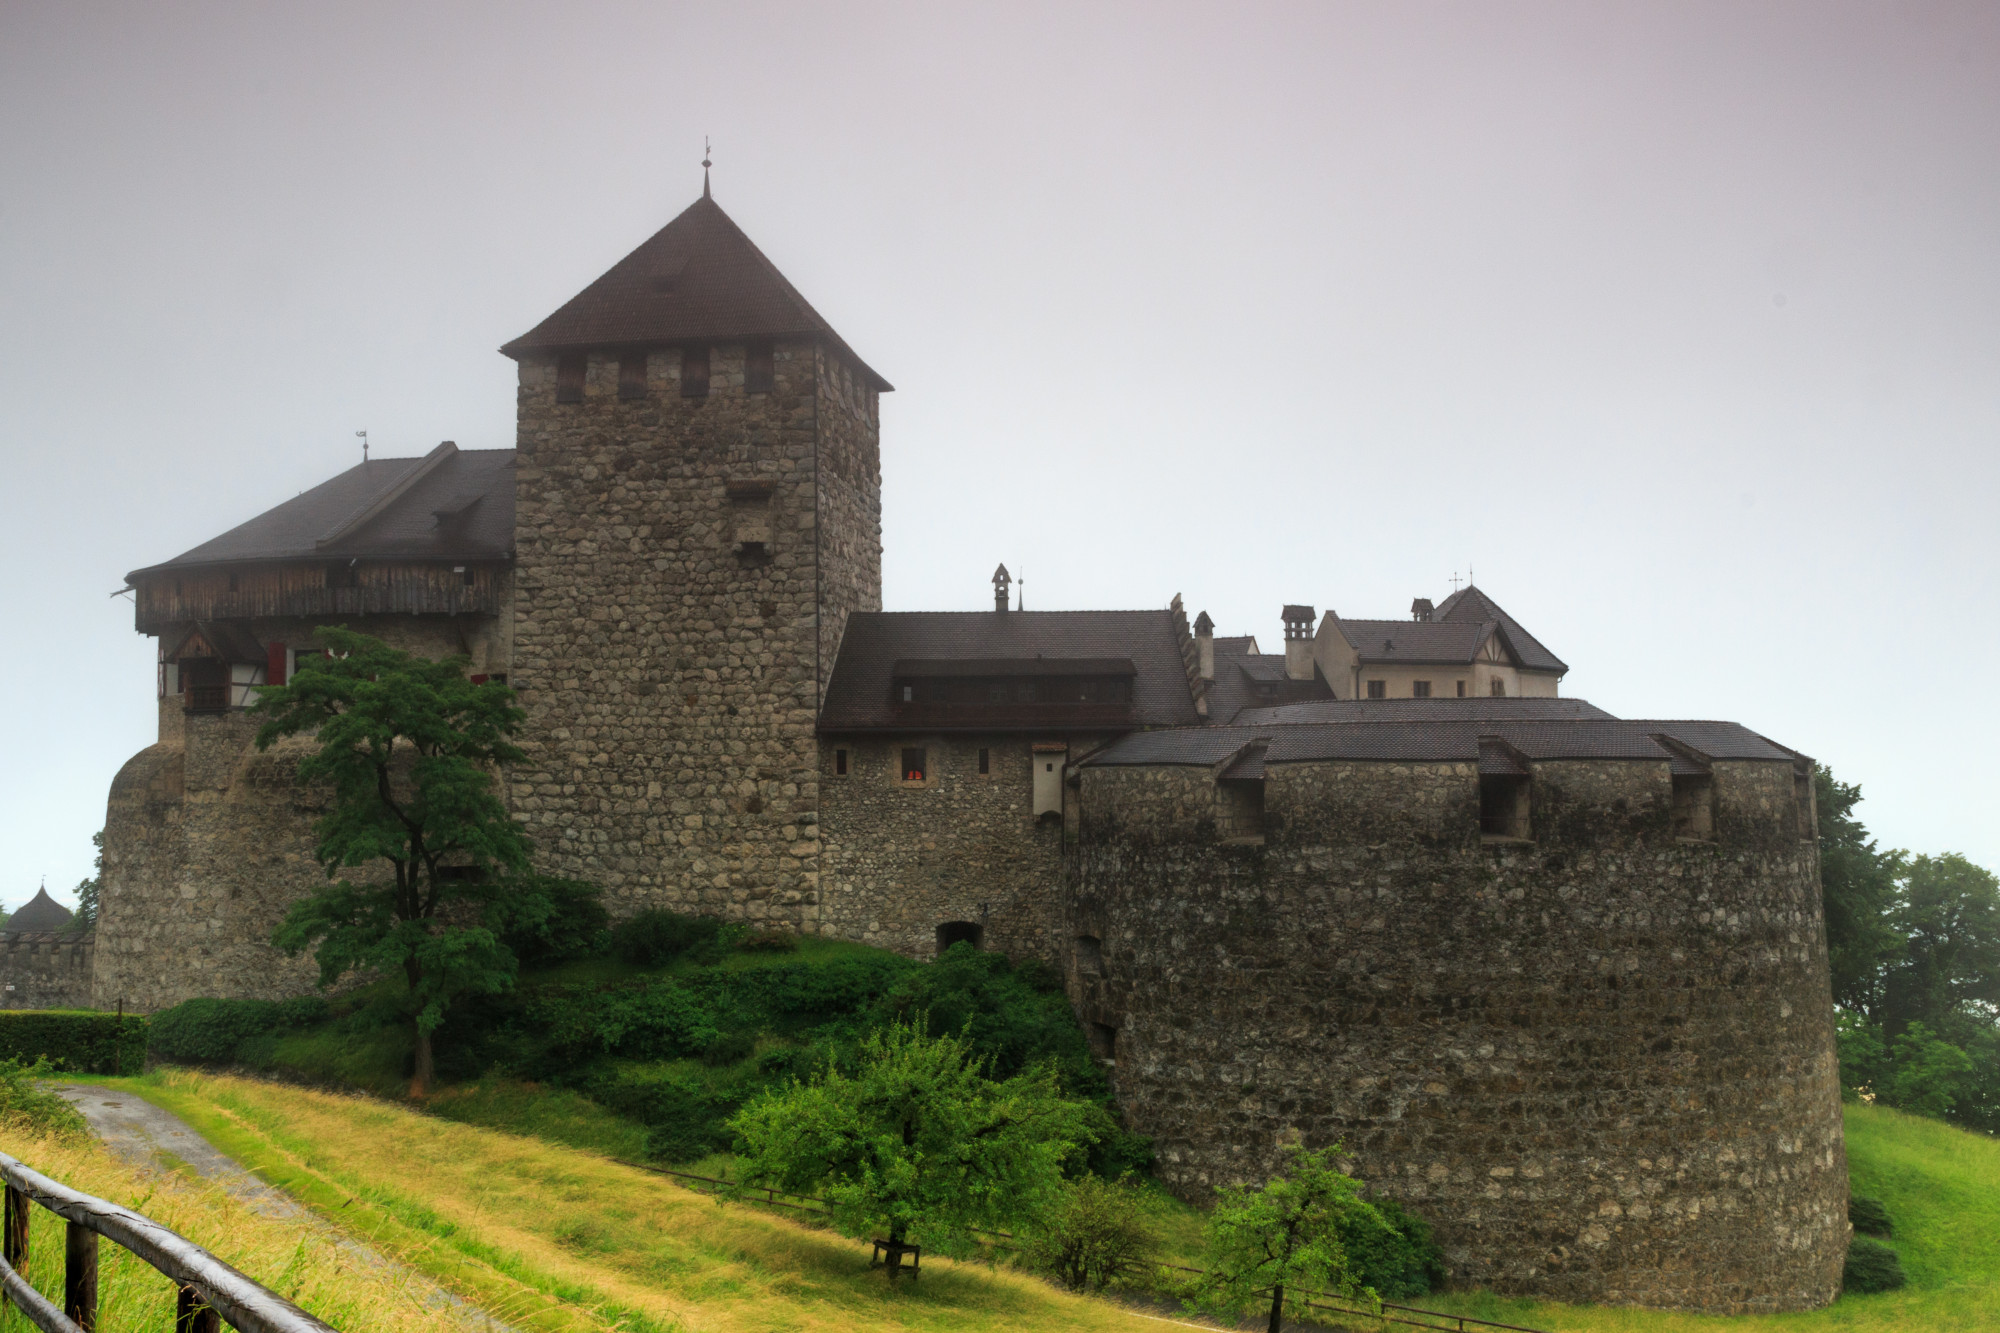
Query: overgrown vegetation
{"x": 78, "y": 1041}
{"x": 1090, "y": 1232}
{"x": 28, "y": 1107}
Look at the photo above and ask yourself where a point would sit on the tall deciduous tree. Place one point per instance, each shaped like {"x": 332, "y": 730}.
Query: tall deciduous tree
{"x": 409, "y": 747}
{"x": 1858, "y": 888}
{"x": 915, "y": 1141}
{"x": 1283, "y": 1238}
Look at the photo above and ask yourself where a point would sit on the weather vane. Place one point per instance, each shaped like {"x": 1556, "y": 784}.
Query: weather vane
{"x": 705, "y": 164}
{"x": 364, "y": 444}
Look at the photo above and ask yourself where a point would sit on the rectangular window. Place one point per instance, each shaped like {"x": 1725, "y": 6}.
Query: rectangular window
{"x": 694, "y": 372}
{"x": 909, "y": 694}
{"x": 1461, "y": 689}
{"x": 1420, "y": 689}
{"x": 840, "y": 763}
{"x": 914, "y": 767}
{"x": 985, "y": 762}
{"x": 1503, "y": 805}
{"x": 343, "y": 575}
{"x": 1378, "y": 689}
{"x": 1694, "y": 806}
{"x": 632, "y": 375}
{"x": 759, "y": 372}
{"x": 569, "y": 377}
{"x": 1499, "y": 688}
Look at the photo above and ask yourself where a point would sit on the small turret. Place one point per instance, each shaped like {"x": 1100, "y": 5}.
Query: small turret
{"x": 1298, "y": 642}
{"x": 1001, "y": 578}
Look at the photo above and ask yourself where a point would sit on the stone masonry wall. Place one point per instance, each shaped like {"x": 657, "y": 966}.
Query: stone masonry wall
{"x": 900, "y": 859}
{"x": 45, "y": 969}
{"x": 671, "y": 684}
{"x": 1600, "y": 1063}
{"x": 208, "y": 842}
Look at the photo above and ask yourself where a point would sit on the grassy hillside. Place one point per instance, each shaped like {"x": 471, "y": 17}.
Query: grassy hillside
{"x": 549, "y": 1238}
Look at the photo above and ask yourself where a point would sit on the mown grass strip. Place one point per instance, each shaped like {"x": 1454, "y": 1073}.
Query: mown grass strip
{"x": 534, "y": 1232}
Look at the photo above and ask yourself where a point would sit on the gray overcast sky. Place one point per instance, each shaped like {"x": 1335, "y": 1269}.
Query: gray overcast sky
{"x": 1680, "y": 322}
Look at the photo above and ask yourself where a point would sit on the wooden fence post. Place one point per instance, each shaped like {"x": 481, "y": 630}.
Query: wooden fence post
{"x": 17, "y": 1229}
{"x": 194, "y": 1315}
{"x": 80, "y": 1275}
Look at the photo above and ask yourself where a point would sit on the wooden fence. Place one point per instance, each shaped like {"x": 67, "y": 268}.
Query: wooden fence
{"x": 211, "y": 1293}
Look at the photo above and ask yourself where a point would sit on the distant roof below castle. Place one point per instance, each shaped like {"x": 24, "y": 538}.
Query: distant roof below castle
{"x": 698, "y": 279}
{"x": 451, "y": 504}
{"x": 40, "y": 913}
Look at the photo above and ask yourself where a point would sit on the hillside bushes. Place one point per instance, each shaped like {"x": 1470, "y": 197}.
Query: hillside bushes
{"x": 81, "y": 1041}
{"x": 210, "y": 1032}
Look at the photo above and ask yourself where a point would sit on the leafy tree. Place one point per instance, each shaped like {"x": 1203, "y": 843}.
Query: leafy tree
{"x": 409, "y": 747}
{"x": 1858, "y": 888}
{"x": 1285, "y": 1238}
{"x": 1947, "y": 911}
{"x": 1925, "y": 1074}
{"x": 915, "y": 1140}
{"x": 1091, "y": 1230}
{"x": 85, "y": 918}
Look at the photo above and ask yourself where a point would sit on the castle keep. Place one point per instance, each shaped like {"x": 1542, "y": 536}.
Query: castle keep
{"x": 1558, "y": 979}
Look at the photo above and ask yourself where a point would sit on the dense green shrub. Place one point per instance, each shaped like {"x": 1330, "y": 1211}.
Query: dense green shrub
{"x": 1871, "y": 1266}
{"x": 79, "y": 1040}
{"x": 1870, "y": 1216}
{"x": 1400, "y": 1262}
{"x": 769, "y": 941}
{"x": 551, "y": 920}
{"x": 729, "y": 1048}
{"x": 1094, "y": 1229}
{"x": 26, "y": 1105}
{"x": 1015, "y": 1016}
{"x": 208, "y": 1031}
{"x": 657, "y": 937}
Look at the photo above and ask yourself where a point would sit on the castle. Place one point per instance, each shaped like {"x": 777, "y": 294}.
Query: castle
{"x": 1558, "y": 979}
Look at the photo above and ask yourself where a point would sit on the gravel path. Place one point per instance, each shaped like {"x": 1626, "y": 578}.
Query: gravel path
{"x": 143, "y": 1134}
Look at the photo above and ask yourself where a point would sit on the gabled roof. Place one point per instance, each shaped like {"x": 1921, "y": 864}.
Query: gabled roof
{"x": 697, "y": 279}
{"x": 1470, "y": 605}
{"x": 859, "y": 695}
{"x": 452, "y": 504}
{"x": 1481, "y": 708}
{"x": 1416, "y": 641}
{"x": 41, "y": 912}
{"x": 1244, "y": 679}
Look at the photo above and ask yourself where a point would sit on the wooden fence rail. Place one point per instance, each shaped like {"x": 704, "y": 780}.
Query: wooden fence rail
{"x": 211, "y": 1293}
{"x": 1411, "y": 1315}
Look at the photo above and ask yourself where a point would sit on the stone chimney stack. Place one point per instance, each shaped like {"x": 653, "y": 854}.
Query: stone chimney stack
{"x": 1204, "y": 642}
{"x": 1001, "y": 578}
{"x": 1421, "y": 609}
{"x": 1299, "y": 642}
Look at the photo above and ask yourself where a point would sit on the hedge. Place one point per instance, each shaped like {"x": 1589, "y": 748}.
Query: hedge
{"x": 79, "y": 1040}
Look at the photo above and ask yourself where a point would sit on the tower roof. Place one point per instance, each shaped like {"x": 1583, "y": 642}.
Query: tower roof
{"x": 697, "y": 279}
{"x": 40, "y": 912}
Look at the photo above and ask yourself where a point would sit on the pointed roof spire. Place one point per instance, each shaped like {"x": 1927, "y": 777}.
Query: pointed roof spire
{"x": 698, "y": 279}
{"x": 704, "y": 167}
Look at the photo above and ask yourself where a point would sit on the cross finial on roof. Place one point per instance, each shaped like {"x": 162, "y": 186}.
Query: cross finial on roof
{"x": 1454, "y": 580}
{"x": 705, "y": 164}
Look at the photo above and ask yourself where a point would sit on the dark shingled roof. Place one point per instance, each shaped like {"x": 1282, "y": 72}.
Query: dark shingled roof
{"x": 1469, "y": 604}
{"x": 1239, "y": 672}
{"x": 697, "y": 279}
{"x": 40, "y": 912}
{"x": 1415, "y": 641}
{"x": 451, "y": 504}
{"x": 1447, "y": 709}
{"x": 858, "y": 696}
{"x": 1443, "y": 741}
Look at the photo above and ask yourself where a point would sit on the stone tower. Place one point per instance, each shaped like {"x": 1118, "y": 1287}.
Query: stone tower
{"x": 699, "y": 511}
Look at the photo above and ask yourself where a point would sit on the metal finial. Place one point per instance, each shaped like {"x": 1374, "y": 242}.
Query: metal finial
{"x": 364, "y": 444}
{"x": 705, "y": 164}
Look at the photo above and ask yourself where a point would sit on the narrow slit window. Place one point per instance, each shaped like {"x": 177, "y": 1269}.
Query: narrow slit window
{"x": 1461, "y": 689}
{"x": 1694, "y": 805}
{"x": 914, "y": 765}
{"x": 632, "y": 375}
{"x": 759, "y": 368}
{"x": 569, "y": 378}
{"x": 840, "y": 763}
{"x": 694, "y": 372}
{"x": 985, "y": 762}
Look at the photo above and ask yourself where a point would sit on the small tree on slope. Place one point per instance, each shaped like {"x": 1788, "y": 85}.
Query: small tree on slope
{"x": 409, "y": 747}
{"x": 1284, "y": 1237}
{"x": 917, "y": 1140}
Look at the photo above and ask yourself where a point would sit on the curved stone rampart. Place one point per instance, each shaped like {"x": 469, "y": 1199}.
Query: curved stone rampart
{"x": 1600, "y": 1063}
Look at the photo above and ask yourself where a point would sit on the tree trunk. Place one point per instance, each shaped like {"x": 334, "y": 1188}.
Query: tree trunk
{"x": 420, "y": 1079}
{"x": 895, "y": 1257}
{"x": 1277, "y": 1308}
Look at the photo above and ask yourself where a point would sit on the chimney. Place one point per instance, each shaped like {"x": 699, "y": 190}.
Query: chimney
{"x": 1204, "y": 642}
{"x": 1298, "y": 642}
{"x": 1001, "y": 578}
{"x": 1421, "y": 609}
